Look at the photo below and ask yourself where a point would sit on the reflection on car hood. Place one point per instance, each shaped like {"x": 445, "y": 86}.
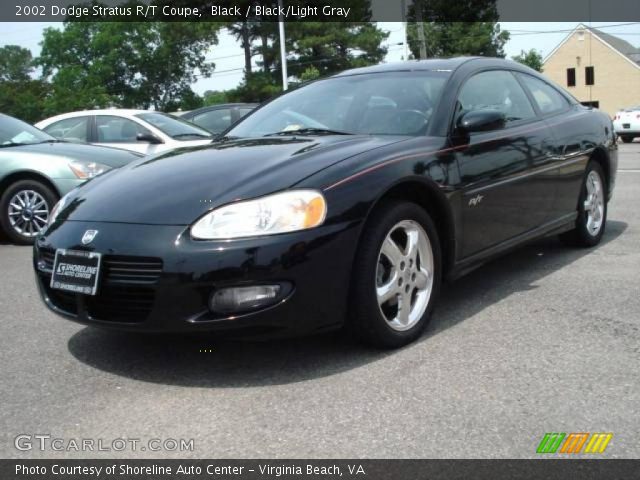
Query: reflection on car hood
{"x": 175, "y": 188}
{"x": 112, "y": 157}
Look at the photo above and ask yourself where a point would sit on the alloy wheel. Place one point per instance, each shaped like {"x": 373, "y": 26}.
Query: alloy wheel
{"x": 28, "y": 213}
{"x": 404, "y": 275}
{"x": 594, "y": 203}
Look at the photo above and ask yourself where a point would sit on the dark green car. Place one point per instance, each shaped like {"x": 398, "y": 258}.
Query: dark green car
{"x": 36, "y": 170}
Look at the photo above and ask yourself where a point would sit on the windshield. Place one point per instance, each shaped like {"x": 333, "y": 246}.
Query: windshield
{"x": 174, "y": 127}
{"x": 393, "y": 103}
{"x": 16, "y": 132}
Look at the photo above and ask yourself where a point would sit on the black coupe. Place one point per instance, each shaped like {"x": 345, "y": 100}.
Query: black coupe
{"x": 344, "y": 202}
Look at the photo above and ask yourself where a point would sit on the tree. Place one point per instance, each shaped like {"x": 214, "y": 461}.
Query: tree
{"x": 465, "y": 27}
{"x": 311, "y": 73}
{"x": 531, "y": 58}
{"x": 16, "y": 64}
{"x": 242, "y": 32}
{"x": 21, "y": 96}
{"x": 127, "y": 64}
{"x": 331, "y": 47}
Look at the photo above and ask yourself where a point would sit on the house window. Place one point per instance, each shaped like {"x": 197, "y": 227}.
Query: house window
{"x": 571, "y": 77}
{"x": 589, "y": 75}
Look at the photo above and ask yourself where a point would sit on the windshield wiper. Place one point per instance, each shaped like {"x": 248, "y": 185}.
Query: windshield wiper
{"x": 54, "y": 140}
{"x": 14, "y": 144}
{"x": 201, "y": 135}
{"x": 308, "y": 131}
{"x": 225, "y": 138}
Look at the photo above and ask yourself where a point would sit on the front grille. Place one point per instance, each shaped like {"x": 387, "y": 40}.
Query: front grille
{"x": 121, "y": 304}
{"x": 126, "y": 291}
{"x": 131, "y": 270}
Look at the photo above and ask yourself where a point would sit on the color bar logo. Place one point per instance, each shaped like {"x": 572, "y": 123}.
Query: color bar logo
{"x": 574, "y": 442}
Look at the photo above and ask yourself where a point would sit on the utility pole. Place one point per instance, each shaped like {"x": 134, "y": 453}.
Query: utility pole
{"x": 283, "y": 49}
{"x": 421, "y": 38}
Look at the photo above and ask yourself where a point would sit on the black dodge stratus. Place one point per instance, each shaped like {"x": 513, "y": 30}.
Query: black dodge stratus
{"x": 344, "y": 202}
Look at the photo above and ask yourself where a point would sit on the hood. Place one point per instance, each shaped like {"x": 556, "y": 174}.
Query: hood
{"x": 112, "y": 157}
{"x": 177, "y": 187}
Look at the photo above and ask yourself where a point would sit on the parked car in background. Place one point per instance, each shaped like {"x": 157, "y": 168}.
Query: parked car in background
{"x": 140, "y": 131}
{"x": 626, "y": 123}
{"x": 217, "y": 118}
{"x": 36, "y": 170}
{"x": 300, "y": 221}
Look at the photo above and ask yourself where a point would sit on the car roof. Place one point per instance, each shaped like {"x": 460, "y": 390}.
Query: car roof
{"x": 124, "y": 112}
{"x": 433, "y": 64}
{"x": 218, "y": 107}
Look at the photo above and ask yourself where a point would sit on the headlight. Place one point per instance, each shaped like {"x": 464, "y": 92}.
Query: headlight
{"x": 82, "y": 169}
{"x": 278, "y": 213}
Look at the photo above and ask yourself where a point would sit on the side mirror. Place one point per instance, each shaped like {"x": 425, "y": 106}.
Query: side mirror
{"x": 148, "y": 137}
{"x": 481, "y": 121}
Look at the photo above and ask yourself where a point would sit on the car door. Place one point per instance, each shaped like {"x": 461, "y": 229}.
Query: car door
{"x": 121, "y": 132}
{"x": 572, "y": 144}
{"x": 506, "y": 191}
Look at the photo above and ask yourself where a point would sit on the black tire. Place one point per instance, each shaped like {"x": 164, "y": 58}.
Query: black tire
{"x": 44, "y": 191}
{"x": 580, "y": 235}
{"x": 626, "y": 139}
{"x": 366, "y": 321}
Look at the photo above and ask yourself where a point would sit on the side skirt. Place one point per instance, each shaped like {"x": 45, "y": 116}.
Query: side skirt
{"x": 468, "y": 264}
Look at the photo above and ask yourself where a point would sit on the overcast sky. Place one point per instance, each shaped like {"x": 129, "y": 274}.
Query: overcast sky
{"x": 229, "y": 59}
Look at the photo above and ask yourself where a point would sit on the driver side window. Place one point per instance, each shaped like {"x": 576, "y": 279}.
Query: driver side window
{"x": 495, "y": 90}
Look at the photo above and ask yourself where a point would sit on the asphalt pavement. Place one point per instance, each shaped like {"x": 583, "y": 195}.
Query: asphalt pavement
{"x": 545, "y": 339}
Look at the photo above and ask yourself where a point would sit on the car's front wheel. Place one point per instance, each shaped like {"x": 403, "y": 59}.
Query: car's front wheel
{"x": 592, "y": 210}
{"x": 24, "y": 210}
{"x": 396, "y": 276}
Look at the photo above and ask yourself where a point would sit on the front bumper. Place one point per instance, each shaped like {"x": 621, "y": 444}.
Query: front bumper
{"x": 157, "y": 279}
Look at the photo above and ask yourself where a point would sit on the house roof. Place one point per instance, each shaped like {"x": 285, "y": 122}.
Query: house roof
{"x": 620, "y": 46}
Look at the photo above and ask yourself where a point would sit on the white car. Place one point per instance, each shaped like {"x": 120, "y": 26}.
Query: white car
{"x": 140, "y": 131}
{"x": 626, "y": 124}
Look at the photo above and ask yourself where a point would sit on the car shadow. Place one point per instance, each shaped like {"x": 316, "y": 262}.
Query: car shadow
{"x": 204, "y": 361}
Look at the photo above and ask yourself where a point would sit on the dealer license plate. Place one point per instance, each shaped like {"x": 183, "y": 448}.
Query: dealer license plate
{"x": 76, "y": 271}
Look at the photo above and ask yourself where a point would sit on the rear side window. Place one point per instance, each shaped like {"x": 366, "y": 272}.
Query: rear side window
{"x": 496, "y": 90}
{"x": 549, "y": 100}
{"x": 69, "y": 129}
{"x": 112, "y": 129}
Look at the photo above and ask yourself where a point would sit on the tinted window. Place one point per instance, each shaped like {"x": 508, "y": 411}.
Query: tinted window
{"x": 174, "y": 127}
{"x": 70, "y": 129}
{"x": 215, "y": 120}
{"x": 393, "y": 103}
{"x": 112, "y": 129}
{"x": 548, "y": 98}
{"x": 496, "y": 90}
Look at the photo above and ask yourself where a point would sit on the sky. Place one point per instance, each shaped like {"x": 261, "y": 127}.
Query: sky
{"x": 229, "y": 59}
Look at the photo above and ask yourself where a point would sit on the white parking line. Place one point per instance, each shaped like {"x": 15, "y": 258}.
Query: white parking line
{"x": 629, "y": 170}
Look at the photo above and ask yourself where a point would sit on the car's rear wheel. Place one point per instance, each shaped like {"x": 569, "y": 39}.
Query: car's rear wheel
{"x": 396, "y": 276}
{"x": 592, "y": 210}
{"x": 626, "y": 139}
{"x": 24, "y": 210}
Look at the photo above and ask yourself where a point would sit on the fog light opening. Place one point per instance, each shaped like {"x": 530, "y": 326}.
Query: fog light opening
{"x": 241, "y": 299}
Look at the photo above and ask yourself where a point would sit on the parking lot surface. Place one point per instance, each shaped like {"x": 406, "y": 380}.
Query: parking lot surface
{"x": 545, "y": 339}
